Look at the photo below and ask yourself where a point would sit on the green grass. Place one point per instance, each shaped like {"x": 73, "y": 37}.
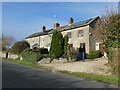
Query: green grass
{"x": 103, "y": 78}
{"x": 35, "y": 65}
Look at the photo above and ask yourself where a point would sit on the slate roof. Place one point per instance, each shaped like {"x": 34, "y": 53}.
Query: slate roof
{"x": 38, "y": 34}
{"x": 65, "y": 27}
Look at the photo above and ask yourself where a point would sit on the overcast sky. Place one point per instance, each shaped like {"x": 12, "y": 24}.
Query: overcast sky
{"x": 20, "y": 19}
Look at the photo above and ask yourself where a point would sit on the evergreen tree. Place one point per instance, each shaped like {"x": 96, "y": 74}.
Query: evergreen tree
{"x": 56, "y": 49}
{"x": 65, "y": 44}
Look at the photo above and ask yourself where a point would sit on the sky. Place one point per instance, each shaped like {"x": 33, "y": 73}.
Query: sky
{"x": 21, "y": 19}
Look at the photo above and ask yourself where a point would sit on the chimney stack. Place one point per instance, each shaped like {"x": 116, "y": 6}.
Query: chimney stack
{"x": 43, "y": 28}
{"x": 71, "y": 20}
{"x": 56, "y": 25}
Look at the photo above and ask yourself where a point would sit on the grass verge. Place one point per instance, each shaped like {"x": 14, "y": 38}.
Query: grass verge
{"x": 35, "y": 65}
{"x": 103, "y": 78}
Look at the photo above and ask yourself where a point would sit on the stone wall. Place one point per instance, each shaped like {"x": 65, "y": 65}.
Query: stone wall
{"x": 32, "y": 41}
{"x": 47, "y": 61}
{"x": 12, "y": 56}
{"x": 76, "y": 40}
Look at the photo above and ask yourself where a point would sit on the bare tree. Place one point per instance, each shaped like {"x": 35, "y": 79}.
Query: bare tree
{"x": 101, "y": 31}
{"x": 6, "y": 41}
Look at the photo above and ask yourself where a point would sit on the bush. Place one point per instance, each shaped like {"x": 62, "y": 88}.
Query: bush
{"x": 45, "y": 55}
{"x": 113, "y": 59}
{"x": 19, "y": 47}
{"x": 35, "y": 48}
{"x": 43, "y": 50}
{"x": 31, "y": 56}
{"x": 65, "y": 40}
{"x": 56, "y": 49}
{"x": 93, "y": 54}
{"x": 110, "y": 55}
{"x": 73, "y": 54}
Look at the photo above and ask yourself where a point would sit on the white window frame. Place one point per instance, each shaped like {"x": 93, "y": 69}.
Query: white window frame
{"x": 43, "y": 40}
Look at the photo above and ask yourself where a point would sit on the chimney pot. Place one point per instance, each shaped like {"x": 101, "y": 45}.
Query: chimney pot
{"x": 71, "y": 20}
{"x": 56, "y": 25}
{"x": 43, "y": 28}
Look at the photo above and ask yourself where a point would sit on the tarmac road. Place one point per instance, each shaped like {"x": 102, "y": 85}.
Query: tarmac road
{"x": 15, "y": 75}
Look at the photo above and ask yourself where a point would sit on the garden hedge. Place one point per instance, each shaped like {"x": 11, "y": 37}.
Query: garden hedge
{"x": 93, "y": 54}
{"x": 31, "y": 56}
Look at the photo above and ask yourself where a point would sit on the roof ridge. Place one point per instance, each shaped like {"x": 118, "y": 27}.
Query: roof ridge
{"x": 65, "y": 27}
{"x": 78, "y": 21}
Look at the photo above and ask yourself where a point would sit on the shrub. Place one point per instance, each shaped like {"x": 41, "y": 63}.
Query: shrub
{"x": 18, "y": 47}
{"x": 93, "y": 54}
{"x": 35, "y": 48}
{"x": 56, "y": 49}
{"x": 73, "y": 54}
{"x": 110, "y": 55}
{"x": 45, "y": 55}
{"x": 43, "y": 50}
{"x": 113, "y": 59}
{"x": 31, "y": 56}
{"x": 65, "y": 44}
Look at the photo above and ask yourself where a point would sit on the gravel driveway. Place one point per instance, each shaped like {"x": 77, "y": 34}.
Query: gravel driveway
{"x": 97, "y": 66}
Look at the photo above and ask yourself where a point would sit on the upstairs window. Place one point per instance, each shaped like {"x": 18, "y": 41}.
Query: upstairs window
{"x": 42, "y": 39}
{"x": 69, "y": 35}
{"x": 80, "y": 33}
{"x": 32, "y": 41}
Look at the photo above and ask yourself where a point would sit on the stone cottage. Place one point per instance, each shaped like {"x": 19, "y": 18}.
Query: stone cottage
{"x": 80, "y": 35}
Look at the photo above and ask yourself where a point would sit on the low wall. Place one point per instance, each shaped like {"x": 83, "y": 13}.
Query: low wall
{"x": 12, "y": 56}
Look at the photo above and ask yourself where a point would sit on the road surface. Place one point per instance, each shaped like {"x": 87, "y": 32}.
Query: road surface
{"x": 20, "y": 76}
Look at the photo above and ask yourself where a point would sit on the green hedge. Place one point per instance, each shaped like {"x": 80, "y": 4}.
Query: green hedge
{"x": 43, "y": 50}
{"x": 31, "y": 56}
{"x": 93, "y": 54}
